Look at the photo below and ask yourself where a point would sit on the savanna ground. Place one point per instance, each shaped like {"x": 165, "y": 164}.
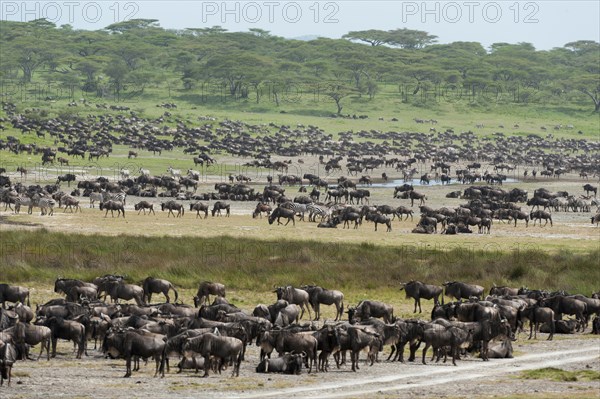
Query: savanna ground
{"x": 250, "y": 257}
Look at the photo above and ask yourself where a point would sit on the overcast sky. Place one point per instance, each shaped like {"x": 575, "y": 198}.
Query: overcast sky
{"x": 546, "y": 24}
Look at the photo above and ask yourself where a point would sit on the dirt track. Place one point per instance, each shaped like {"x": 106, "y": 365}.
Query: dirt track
{"x": 97, "y": 377}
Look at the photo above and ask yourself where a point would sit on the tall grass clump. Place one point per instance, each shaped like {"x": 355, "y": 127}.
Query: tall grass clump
{"x": 42, "y": 256}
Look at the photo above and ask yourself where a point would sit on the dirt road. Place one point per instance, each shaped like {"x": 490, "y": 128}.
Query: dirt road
{"x": 95, "y": 377}
{"x": 431, "y": 376}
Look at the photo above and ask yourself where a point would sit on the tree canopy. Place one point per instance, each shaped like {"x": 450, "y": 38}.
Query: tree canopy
{"x": 260, "y": 66}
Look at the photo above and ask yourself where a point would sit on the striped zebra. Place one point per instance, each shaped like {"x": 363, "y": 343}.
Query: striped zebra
{"x": 299, "y": 209}
{"x": 174, "y": 172}
{"x": 96, "y": 197}
{"x": 317, "y": 210}
{"x": 46, "y": 205}
{"x": 23, "y": 200}
{"x": 120, "y": 197}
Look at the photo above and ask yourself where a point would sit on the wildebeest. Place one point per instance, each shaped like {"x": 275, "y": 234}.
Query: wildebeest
{"x": 319, "y": 295}
{"x": 134, "y": 343}
{"x": 438, "y": 337}
{"x": 288, "y": 341}
{"x": 356, "y": 339}
{"x": 143, "y": 205}
{"x": 295, "y": 296}
{"x": 567, "y": 305}
{"x": 13, "y": 293}
{"x": 8, "y": 356}
{"x": 539, "y": 215}
{"x": 119, "y": 290}
{"x": 289, "y": 363}
{"x": 69, "y": 177}
{"x": 500, "y": 348}
{"x": 260, "y": 209}
{"x": 589, "y": 188}
{"x": 378, "y": 218}
{"x": 417, "y": 290}
{"x": 538, "y": 315}
{"x": 112, "y": 206}
{"x": 279, "y": 213}
{"x": 206, "y": 289}
{"x": 199, "y": 207}
{"x": 222, "y": 348}
{"x": 561, "y": 327}
{"x": 503, "y": 291}
{"x": 69, "y": 202}
{"x": 153, "y": 285}
{"x": 458, "y": 290}
{"x": 173, "y": 206}
{"x": 66, "y": 329}
{"x": 219, "y": 206}
{"x": 366, "y": 309}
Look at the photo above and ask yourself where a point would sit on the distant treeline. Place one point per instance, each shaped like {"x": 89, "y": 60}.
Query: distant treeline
{"x": 39, "y": 60}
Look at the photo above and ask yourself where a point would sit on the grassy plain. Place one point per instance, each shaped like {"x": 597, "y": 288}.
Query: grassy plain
{"x": 248, "y": 255}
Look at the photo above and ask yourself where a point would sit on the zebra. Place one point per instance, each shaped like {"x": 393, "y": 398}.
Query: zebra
{"x": 118, "y": 197}
{"x": 316, "y": 210}
{"x": 46, "y": 205}
{"x": 23, "y": 200}
{"x": 144, "y": 172}
{"x": 95, "y": 197}
{"x": 174, "y": 172}
{"x": 299, "y": 209}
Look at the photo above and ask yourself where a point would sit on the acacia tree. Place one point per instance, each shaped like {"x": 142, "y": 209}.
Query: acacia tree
{"x": 337, "y": 91}
{"x": 117, "y": 72}
{"x": 587, "y": 79}
{"x": 402, "y": 38}
{"x": 372, "y": 36}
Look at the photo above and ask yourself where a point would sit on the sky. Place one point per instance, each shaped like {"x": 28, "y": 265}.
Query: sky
{"x": 545, "y": 24}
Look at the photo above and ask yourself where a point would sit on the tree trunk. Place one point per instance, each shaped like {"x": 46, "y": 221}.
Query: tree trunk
{"x": 339, "y": 106}
{"x": 595, "y": 99}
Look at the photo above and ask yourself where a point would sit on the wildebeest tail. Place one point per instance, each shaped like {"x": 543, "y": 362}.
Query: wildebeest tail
{"x": 28, "y": 304}
{"x": 175, "y": 291}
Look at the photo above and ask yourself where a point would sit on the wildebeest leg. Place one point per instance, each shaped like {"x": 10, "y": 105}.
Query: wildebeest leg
{"x": 157, "y": 360}
{"x": 413, "y": 352}
{"x": 206, "y": 366}
{"x": 454, "y": 354}
{"x": 354, "y": 358}
{"x": 54, "y": 340}
{"x": 392, "y": 353}
{"x": 127, "y": 367}
{"x": 425, "y": 352}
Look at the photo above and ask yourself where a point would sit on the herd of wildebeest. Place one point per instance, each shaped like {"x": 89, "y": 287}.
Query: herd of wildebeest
{"x": 325, "y": 196}
{"x": 214, "y": 336}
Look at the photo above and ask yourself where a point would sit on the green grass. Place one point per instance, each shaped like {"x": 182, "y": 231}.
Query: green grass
{"x": 555, "y": 374}
{"x": 245, "y": 264}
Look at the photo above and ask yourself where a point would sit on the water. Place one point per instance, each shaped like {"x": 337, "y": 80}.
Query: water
{"x": 417, "y": 182}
